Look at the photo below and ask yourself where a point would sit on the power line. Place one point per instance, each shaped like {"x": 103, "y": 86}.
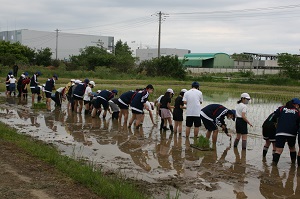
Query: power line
{"x": 241, "y": 10}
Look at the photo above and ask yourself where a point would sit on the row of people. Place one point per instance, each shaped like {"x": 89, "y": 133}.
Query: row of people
{"x": 212, "y": 116}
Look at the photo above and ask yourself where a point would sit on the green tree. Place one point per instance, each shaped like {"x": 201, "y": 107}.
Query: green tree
{"x": 92, "y": 56}
{"x": 290, "y": 65}
{"x": 43, "y": 57}
{"x": 168, "y": 66}
{"x": 11, "y": 53}
{"x": 124, "y": 60}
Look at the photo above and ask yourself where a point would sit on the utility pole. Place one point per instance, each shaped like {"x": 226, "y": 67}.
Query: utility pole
{"x": 56, "y": 43}
{"x": 161, "y": 17}
{"x": 159, "y": 32}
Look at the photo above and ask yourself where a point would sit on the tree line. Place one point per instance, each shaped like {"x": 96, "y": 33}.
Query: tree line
{"x": 120, "y": 60}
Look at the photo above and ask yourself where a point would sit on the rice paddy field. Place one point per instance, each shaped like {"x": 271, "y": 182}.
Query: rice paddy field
{"x": 164, "y": 162}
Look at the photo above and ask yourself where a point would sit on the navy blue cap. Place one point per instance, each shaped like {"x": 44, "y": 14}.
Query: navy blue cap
{"x": 115, "y": 91}
{"x": 86, "y": 80}
{"x": 296, "y": 101}
{"x": 195, "y": 85}
{"x": 56, "y": 77}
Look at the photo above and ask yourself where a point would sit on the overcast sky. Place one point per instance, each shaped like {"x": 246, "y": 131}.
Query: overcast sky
{"x": 230, "y": 26}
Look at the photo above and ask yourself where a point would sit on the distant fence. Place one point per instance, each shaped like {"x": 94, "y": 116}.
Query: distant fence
{"x": 258, "y": 71}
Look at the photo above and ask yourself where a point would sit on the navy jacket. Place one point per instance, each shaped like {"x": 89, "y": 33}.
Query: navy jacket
{"x": 49, "y": 85}
{"x": 127, "y": 97}
{"x": 138, "y": 101}
{"x": 106, "y": 95}
{"x": 216, "y": 113}
{"x": 33, "y": 81}
{"x": 288, "y": 121}
{"x": 79, "y": 90}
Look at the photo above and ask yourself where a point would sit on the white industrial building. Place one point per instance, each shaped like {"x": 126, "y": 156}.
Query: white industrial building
{"x": 150, "y": 53}
{"x": 67, "y": 43}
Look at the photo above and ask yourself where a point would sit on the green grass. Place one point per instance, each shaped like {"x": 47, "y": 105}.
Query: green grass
{"x": 39, "y": 105}
{"x": 202, "y": 142}
{"x": 107, "y": 186}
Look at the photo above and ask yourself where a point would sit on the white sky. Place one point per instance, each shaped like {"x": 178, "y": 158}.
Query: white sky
{"x": 261, "y": 26}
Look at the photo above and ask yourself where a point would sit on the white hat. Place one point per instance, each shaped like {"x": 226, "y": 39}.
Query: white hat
{"x": 12, "y": 76}
{"x": 77, "y": 81}
{"x": 98, "y": 91}
{"x": 183, "y": 90}
{"x": 72, "y": 80}
{"x": 170, "y": 90}
{"x": 23, "y": 76}
{"x": 92, "y": 83}
{"x": 245, "y": 95}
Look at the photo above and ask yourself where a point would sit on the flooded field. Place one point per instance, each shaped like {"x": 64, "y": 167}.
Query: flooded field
{"x": 163, "y": 161}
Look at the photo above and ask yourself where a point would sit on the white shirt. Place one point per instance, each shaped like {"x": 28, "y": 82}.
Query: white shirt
{"x": 12, "y": 80}
{"x": 86, "y": 96}
{"x": 149, "y": 105}
{"x": 193, "y": 98}
{"x": 240, "y": 108}
{"x": 159, "y": 98}
{"x": 60, "y": 89}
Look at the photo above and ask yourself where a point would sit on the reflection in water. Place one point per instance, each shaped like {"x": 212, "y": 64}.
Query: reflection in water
{"x": 156, "y": 154}
{"x": 163, "y": 150}
{"x": 134, "y": 144}
{"x": 49, "y": 121}
{"x": 176, "y": 151}
{"x": 191, "y": 154}
{"x": 272, "y": 183}
{"x": 239, "y": 169}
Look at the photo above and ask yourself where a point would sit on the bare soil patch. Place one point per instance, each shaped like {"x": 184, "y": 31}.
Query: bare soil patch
{"x": 24, "y": 176}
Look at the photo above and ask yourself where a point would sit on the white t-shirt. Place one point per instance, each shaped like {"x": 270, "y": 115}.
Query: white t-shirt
{"x": 159, "y": 98}
{"x": 86, "y": 96}
{"x": 240, "y": 108}
{"x": 149, "y": 105}
{"x": 193, "y": 98}
{"x": 12, "y": 80}
{"x": 60, "y": 89}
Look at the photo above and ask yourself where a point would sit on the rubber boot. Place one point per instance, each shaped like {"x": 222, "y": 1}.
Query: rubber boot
{"x": 244, "y": 144}
{"x": 293, "y": 156}
{"x": 236, "y": 142}
{"x": 276, "y": 158}
{"x": 171, "y": 128}
{"x": 265, "y": 151}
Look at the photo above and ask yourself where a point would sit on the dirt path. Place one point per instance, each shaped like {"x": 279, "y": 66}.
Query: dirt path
{"x": 23, "y": 176}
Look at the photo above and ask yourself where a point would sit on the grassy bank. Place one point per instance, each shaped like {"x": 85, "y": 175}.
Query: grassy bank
{"x": 106, "y": 186}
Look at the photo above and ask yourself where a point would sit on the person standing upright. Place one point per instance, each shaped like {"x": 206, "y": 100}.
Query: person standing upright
{"x": 7, "y": 83}
{"x": 242, "y": 121}
{"x": 178, "y": 112}
{"x": 33, "y": 84}
{"x": 166, "y": 109}
{"x": 15, "y": 70}
{"x": 193, "y": 100}
{"x": 49, "y": 86}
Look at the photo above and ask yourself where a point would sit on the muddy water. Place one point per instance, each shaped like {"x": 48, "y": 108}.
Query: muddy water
{"x": 164, "y": 160}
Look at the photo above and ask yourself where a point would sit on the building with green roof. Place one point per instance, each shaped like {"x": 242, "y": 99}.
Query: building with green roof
{"x": 207, "y": 60}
